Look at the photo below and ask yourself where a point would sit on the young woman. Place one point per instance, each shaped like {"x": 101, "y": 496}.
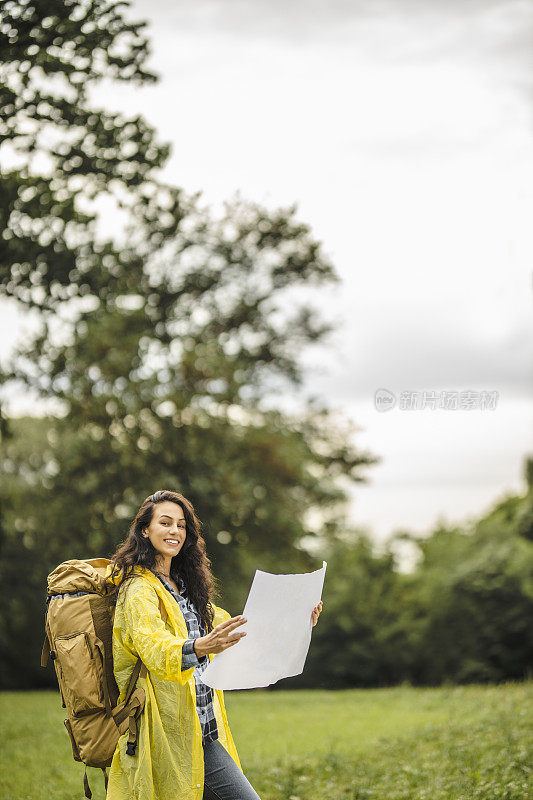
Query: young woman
{"x": 185, "y": 750}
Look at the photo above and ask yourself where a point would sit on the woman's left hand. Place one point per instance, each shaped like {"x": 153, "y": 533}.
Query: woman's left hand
{"x": 316, "y": 613}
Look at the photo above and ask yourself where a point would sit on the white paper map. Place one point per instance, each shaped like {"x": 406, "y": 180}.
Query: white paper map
{"x": 279, "y": 625}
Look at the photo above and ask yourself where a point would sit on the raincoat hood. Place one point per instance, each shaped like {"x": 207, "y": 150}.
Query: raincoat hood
{"x": 113, "y": 573}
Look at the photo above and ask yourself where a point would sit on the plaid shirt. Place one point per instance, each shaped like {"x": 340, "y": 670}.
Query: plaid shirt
{"x": 196, "y": 628}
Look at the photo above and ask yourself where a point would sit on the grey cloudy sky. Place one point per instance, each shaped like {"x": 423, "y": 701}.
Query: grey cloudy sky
{"x": 404, "y": 132}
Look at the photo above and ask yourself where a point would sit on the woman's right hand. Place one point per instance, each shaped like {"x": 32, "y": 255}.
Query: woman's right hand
{"x": 220, "y": 637}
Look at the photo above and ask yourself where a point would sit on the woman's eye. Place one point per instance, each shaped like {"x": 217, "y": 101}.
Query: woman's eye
{"x": 167, "y": 523}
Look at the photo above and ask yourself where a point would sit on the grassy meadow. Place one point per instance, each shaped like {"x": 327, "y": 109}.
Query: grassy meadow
{"x": 402, "y": 743}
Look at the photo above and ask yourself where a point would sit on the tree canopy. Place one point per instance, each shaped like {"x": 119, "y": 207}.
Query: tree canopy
{"x": 159, "y": 344}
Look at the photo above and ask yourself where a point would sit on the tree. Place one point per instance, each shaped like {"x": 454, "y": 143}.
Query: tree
{"x": 160, "y": 344}
{"x": 525, "y": 512}
{"x": 64, "y": 154}
{"x": 476, "y": 592}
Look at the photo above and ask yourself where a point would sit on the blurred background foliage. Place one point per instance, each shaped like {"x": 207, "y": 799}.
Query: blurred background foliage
{"x": 156, "y": 349}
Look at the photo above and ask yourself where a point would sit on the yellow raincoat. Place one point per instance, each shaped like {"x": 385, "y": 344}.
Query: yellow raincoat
{"x": 169, "y": 761}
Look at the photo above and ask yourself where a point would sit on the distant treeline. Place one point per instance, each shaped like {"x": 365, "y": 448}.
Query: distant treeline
{"x": 463, "y": 614}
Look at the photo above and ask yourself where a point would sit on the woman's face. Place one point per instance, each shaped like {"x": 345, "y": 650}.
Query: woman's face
{"x": 167, "y": 529}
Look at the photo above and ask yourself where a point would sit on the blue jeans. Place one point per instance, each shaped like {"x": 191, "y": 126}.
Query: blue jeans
{"x": 223, "y": 779}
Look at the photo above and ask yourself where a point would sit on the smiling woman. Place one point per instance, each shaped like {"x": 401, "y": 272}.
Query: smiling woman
{"x": 185, "y": 749}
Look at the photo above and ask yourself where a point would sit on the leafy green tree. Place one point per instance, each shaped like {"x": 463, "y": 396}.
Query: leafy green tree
{"x": 525, "y": 511}
{"x": 160, "y": 344}
{"x": 476, "y": 590}
{"x": 61, "y": 156}
{"x": 23, "y": 551}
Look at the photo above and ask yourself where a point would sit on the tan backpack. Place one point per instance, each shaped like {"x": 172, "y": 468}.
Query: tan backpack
{"x": 79, "y": 630}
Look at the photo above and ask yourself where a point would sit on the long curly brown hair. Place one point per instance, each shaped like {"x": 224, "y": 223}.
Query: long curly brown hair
{"x": 191, "y": 563}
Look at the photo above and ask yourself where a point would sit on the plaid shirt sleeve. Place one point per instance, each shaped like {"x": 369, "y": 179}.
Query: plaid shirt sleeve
{"x": 189, "y": 658}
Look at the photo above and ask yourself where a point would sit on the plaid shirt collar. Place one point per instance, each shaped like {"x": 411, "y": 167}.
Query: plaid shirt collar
{"x": 180, "y": 583}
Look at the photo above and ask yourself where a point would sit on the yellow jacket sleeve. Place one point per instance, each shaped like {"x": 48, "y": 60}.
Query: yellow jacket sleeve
{"x": 158, "y": 649}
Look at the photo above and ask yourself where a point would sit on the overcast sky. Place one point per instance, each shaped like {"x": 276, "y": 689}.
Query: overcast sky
{"x": 404, "y": 132}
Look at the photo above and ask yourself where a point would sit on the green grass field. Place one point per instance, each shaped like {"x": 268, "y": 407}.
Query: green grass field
{"x": 449, "y": 743}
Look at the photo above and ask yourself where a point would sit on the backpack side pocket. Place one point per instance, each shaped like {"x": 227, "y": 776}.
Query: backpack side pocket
{"x": 81, "y": 673}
